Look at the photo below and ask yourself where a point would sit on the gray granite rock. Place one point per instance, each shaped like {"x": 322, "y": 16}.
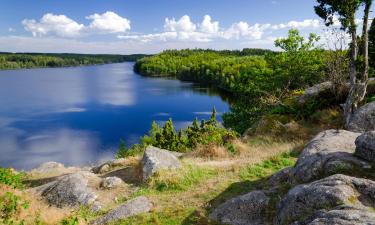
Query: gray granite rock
{"x": 363, "y": 119}
{"x": 330, "y": 152}
{"x": 130, "y": 208}
{"x": 70, "y": 190}
{"x": 155, "y": 159}
{"x": 318, "y": 200}
{"x": 365, "y": 146}
{"x": 248, "y": 209}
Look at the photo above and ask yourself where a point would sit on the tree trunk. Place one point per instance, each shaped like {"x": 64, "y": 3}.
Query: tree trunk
{"x": 362, "y": 86}
{"x": 350, "y": 104}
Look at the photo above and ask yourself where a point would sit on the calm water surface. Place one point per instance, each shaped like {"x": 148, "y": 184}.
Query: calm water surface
{"x": 78, "y": 115}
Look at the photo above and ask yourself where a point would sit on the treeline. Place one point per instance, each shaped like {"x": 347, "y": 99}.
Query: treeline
{"x": 34, "y": 60}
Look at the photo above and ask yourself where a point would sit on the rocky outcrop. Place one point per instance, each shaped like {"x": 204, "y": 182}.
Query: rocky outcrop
{"x": 155, "y": 159}
{"x": 330, "y": 152}
{"x": 365, "y": 146}
{"x": 324, "y": 199}
{"x": 363, "y": 119}
{"x": 249, "y": 209}
{"x": 314, "y": 192}
{"x": 70, "y": 190}
{"x": 110, "y": 182}
{"x": 131, "y": 208}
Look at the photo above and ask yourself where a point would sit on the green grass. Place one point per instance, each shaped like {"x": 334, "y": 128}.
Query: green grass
{"x": 181, "y": 179}
{"x": 186, "y": 196}
{"x": 267, "y": 167}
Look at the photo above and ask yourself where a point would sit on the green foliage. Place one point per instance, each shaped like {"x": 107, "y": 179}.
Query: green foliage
{"x": 10, "y": 206}
{"x": 258, "y": 81}
{"x": 345, "y": 10}
{"x": 32, "y": 60}
{"x": 166, "y": 137}
{"x": 10, "y": 178}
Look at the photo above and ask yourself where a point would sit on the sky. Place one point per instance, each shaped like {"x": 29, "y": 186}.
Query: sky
{"x": 150, "y": 26}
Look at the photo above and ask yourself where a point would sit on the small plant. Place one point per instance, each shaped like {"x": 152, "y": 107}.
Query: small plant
{"x": 70, "y": 221}
{"x": 10, "y": 206}
{"x": 10, "y": 178}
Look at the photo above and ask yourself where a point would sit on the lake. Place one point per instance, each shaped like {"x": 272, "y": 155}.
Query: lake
{"x": 77, "y": 115}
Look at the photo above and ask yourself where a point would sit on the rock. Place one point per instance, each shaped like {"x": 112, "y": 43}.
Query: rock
{"x": 155, "y": 159}
{"x": 365, "y": 146}
{"x": 363, "y": 119}
{"x": 111, "y": 182}
{"x": 319, "y": 200}
{"x": 96, "y": 207}
{"x": 330, "y": 152}
{"x": 108, "y": 166}
{"x": 70, "y": 190}
{"x": 281, "y": 177}
{"x": 314, "y": 91}
{"x": 131, "y": 208}
{"x": 248, "y": 209}
{"x": 344, "y": 217}
{"x": 104, "y": 168}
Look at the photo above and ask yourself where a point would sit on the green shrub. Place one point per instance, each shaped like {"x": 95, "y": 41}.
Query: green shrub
{"x": 166, "y": 137}
{"x": 11, "y": 178}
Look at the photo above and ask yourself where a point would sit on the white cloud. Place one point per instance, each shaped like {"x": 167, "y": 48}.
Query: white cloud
{"x": 299, "y": 24}
{"x": 108, "y": 22}
{"x": 184, "y": 24}
{"x": 59, "y": 25}
{"x": 11, "y": 29}
{"x": 63, "y": 26}
{"x": 207, "y": 26}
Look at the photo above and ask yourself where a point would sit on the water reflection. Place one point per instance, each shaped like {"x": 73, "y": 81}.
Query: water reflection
{"x": 78, "y": 115}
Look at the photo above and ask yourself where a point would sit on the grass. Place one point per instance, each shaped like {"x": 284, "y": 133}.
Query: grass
{"x": 187, "y": 196}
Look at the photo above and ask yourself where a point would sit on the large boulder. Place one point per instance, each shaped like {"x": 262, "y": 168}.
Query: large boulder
{"x": 130, "y": 208}
{"x": 314, "y": 91}
{"x": 330, "y": 152}
{"x": 248, "y": 209}
{"x": 363, "y": 119}
{"x": 70, "y": 190}
{"x": 323, "y": 200}
{"x": 155, "y": 159}
{"x": 365, "y": 146}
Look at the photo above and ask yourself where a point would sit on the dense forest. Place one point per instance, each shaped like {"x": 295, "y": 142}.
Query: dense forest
{"x": 33, "y": 60}
{"x": 260, "y": 78}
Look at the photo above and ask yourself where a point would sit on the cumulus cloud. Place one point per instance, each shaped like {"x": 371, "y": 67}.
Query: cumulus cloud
{"x": 108, "y": 22}
{"x": 184, "y": 24}
{"x": 207, "y": 26}
{"x": 59, "y": 25}
{"x": 63, "y": 26}
{"x": 208, "y": 30}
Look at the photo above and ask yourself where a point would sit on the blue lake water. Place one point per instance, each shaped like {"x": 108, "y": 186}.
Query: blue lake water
{"x": 77, "y": 115}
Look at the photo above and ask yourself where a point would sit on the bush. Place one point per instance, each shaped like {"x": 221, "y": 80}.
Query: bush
{"x": 204, "y": 134}
{"x": 10, "y": 178}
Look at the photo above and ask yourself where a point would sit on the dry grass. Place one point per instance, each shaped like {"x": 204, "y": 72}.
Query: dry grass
{"x": 38, "y": 210}
{"x": 211, "y": 151}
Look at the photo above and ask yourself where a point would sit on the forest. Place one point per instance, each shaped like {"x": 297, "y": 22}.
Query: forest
{"x": 260, "y": 80}
{"x": 34, "y": 60}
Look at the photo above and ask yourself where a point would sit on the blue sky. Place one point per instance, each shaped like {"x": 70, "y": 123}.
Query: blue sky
{"x": 149, "y": 26}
